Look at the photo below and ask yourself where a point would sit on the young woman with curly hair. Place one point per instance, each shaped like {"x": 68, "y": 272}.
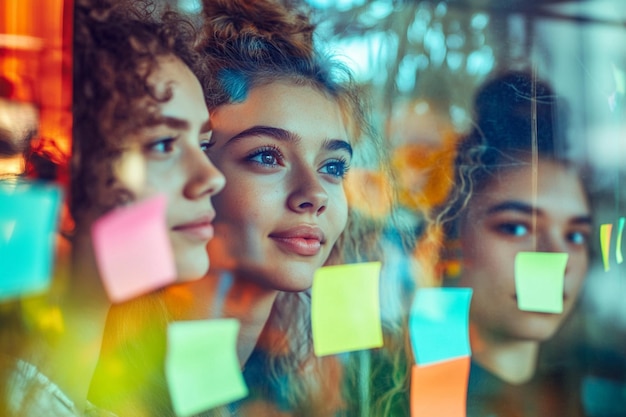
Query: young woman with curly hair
{"x": 134, "y": 93}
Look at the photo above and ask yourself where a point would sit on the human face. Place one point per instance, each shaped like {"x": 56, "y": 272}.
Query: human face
{"x": 506, "y": 217}
{"x": 284, "y": 151}
{"x": 172, "y": 161}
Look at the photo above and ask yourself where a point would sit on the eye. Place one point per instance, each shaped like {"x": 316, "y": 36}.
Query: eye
{"x": 514, "y": 229}
{"x": 162, "y": 146}
{"x": 337, "y": 168}
{"x": 268, "y": 156}
{"x": 578, "y": 238}
{"x": 206, "y": 145}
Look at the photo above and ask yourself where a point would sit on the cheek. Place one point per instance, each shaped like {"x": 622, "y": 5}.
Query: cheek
{"x": 338, "y": 212}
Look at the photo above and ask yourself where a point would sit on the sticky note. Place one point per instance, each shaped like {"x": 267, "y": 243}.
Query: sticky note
{"x": 539, "y": 281}
{"x": 439, "y": 324}
{"x": 620, "y": 79}
{"x": 605, "y": 243}
{"x": 618, "y": 244}
{"x": 29, "y": 217}
{"x": 345, "y": 308}
{"x": 201, "y": 365}
{"x": 133, "y": 251}
{"x": 440, "y": 390}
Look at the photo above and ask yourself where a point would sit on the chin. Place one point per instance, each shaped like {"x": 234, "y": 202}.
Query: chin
{"x": 287, "y": 279}
{"x": 541, "y": 328}
{"x": 188, "y": 271}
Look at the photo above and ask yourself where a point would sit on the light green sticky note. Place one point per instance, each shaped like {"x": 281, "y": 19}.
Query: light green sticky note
{"x": 605, "y": 244}
{"x": 539, "y": 281}
{"x": 345, "y": 308}
{"x": 618, "y": 244}
{"x": 201, "y": 365}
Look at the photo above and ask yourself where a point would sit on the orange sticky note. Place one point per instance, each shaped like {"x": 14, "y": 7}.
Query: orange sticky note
{"x": 345, "y": 308}
{"x": 605, "y": 243}
{"x": 440, "y": 389}
{"x": 133, "y": 251}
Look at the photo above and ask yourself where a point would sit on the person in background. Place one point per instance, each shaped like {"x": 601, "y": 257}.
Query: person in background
{"x": 515, "y": 191}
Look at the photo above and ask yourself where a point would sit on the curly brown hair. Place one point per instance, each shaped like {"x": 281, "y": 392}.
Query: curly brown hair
{"x": 117, "y": 46}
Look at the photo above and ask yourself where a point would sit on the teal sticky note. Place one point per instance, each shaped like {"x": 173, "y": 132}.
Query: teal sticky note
{"x": 439, "y": 324}
{"x": 201, "y": 365}
{"x": 618, "y": 244}
{"x": 539, "y": 281}
{"x": 29, "y": 217}
{"x": 345, "y": 308}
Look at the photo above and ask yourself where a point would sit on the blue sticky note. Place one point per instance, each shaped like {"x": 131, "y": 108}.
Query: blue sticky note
{"x": 201, "y": 365}
{"x": 439, "y": 324}
{"x": 29, "y": 217}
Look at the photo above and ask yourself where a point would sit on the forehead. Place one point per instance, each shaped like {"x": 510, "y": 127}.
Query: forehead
{"x": 283, "y": 104}
{"x": 550, "y": 186}
{"x": 172, "y": 76}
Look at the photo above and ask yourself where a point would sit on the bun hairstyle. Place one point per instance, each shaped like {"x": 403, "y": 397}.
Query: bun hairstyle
{"x": 516, "y": 116}
{"x": 117, "y": 45}
{"x": 267, "y": 22}
{"x": 248, "y": 43}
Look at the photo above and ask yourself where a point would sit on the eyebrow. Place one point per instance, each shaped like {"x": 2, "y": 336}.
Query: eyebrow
{"x": 530, "y": 210}
{"x": 284, "y": 135}
{"x": 206, "y": 127}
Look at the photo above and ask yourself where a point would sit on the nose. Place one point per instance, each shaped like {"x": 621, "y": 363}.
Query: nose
{"x": 204, "y": 179}
{"x": 308, "y": 194}
{"x": 552, "y": 241}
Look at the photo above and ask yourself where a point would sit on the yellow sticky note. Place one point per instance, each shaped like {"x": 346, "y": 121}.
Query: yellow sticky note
{"x": 618, "y": 244}
{"x": 539, "y": 281}
{"x": 605, "y": 243}
{"x": 345, "y": 308}
{"x": 201, "y": 365}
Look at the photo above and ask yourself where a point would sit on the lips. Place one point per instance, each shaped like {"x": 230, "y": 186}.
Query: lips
{"x": 302, "y": 240}
{"x": 200, "y": 229}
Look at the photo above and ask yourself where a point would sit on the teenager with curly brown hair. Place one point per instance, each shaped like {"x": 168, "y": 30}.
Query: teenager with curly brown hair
{"x": 134, "y": 93}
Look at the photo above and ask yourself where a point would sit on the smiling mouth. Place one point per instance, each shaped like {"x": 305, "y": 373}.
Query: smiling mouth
{"x": 299, "y": 245}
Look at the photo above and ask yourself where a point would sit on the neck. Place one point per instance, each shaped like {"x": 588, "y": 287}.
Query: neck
{"x": 513, "y": 361}
{"x": 223, "y": 295}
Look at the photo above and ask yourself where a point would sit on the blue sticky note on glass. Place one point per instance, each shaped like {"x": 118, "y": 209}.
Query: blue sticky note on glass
{"x": 439, "y": 324}
{"x": 29, "y": 217}
{"x": 201, "y": 365}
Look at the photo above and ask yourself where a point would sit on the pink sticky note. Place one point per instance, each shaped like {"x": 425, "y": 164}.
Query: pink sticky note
{"x": 133, "y": 250}
{"x": 440, "y": 389}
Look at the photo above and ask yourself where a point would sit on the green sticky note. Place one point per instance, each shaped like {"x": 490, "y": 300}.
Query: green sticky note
{"x": 539, "y": 281}
{"x": 605, "y": 243}
{"x": 345, "y": 308}
{"x": 201, "y": 365}
{"x": 618, "y": 244}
